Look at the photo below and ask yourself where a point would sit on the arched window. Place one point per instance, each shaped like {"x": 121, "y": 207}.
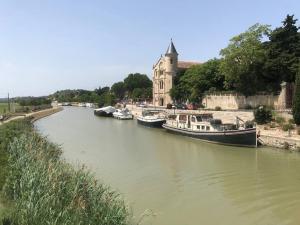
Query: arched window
{"x": 171, "y": 61}
{"x": 161, "y": 84}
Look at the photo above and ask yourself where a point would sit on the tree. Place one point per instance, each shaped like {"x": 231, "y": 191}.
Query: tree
{"x": 197, "y": 80}
{"x": 119, "y": 89}
{"x": 283, "y": 52}
{"x": 136, "y": 80}
{"x": 296, "y": 101}
{"x": 243, "y": 60}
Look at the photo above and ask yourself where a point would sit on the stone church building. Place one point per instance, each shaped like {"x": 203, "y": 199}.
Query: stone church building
{"x": 164, "y": 72}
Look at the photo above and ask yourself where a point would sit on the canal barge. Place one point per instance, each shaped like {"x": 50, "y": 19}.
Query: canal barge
{"x": 206, "y": 128}
{"x": 151, "y": 118}
{"x": 105, "y": 111}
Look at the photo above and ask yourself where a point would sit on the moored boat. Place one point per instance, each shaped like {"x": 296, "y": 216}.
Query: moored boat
{"x": 151, "y": 118}
{"x": 105, "y": 111}
{"x": 123, "y": 114}
{"x": 206, "y": 128}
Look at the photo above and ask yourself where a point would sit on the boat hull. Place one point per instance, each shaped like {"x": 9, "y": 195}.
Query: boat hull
{"x": 246, "y": 138}
{"x": 102, "y": 113}
{"x": 155, "y": 123}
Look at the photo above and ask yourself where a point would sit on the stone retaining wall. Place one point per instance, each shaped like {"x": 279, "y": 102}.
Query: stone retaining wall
{"x": 281, "y": 142}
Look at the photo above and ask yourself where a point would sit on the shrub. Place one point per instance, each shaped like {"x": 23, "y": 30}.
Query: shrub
{"x": 272, "y": 125}
{"x": 287, "y": 126}
{"x": 279, "y": 119}
{"x": 218, "y": 108}
{"x": 298, "y": 130}
{"x": 291, "y": 121}
{"x": 262, "y": 115}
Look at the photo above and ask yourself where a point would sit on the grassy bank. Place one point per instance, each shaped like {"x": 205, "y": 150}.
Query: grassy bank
{"x": 44, "y": 189}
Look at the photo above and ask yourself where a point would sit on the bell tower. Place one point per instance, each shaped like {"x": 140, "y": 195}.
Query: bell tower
{"x": 164, "y": 72}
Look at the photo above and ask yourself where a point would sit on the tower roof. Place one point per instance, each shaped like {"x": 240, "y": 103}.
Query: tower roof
{"x": 171, "y": 49}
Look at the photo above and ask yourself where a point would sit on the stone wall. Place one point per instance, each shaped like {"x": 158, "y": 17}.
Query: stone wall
{"x": 236, "y": 101}
{"x": 280, "y": 142}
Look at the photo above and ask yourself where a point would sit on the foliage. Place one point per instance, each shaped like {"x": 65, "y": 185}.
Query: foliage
{"x": 8, "y": 132}
{"x": 279, "y": 119}
{"x": 33, "y": 101}
{"x": 197, "y": 80}
{"x": 243, "y": 60}
{"x": 262, "y": 115}
{"x": 283, "y": 52}
{"x": 47, "y": 190}
{"x": 137, "y": 80}
{"x": 287, "y": 126}
{"x": 296, "y": 101}
{"x": 119, "y": 89}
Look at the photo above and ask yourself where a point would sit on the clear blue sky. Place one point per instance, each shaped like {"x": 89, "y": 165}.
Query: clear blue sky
{"x": 66, "y": 44}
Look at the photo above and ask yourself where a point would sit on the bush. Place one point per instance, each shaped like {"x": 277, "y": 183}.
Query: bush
{"x": 287, "y": 126}
{"x": 272, "y": 125}
{"x": 298, "y": 130}
{"x": 262, "y": 115}
{"x": 279, "y": 119}
{"x": 291, "y": 121}
{"x": 218, "y": 108}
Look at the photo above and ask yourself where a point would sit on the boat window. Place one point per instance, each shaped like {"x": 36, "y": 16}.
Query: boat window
{"x": 172, "y": 117}
{"x": 198, "y": 127}
{"x": 193, "y": 119}
{"x": 182, "y": 117}
{"x": 199, "y": 118}
{"x": 207, "y": 128}
{"x": 202, "y": 127}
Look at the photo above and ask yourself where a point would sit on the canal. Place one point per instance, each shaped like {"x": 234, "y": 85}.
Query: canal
{"x": 179, "y": 180}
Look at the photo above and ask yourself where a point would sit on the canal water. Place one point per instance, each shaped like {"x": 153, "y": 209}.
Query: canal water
{"x": 178, "y": 180}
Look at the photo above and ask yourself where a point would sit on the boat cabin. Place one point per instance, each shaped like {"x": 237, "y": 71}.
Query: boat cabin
{"x": 198, "y": 122}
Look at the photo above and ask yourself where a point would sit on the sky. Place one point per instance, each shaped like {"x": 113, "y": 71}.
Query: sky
{"x": 50, "y": 45}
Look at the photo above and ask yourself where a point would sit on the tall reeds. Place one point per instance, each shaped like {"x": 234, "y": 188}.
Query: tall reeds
{"x": 47, "y": 190}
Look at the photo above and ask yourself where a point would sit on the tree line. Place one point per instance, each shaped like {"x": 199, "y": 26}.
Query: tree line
{"x": 135, "y": 86}
{"x": 257, "y": 60}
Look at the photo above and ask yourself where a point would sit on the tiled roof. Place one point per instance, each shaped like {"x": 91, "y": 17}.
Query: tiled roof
{"x": 186, "y": 64}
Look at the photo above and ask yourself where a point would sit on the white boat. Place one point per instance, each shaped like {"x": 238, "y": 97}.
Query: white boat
{"x": 105, "y": 111}
{"x": 123, "y": 114}
{"x": 151, "y": 118}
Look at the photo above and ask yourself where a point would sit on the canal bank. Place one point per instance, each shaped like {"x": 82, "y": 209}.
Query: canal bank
{"x": 181, "y": 180}
{"x": 39, "y": 181}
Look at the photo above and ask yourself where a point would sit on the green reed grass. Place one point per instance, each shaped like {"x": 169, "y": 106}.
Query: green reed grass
{"x": 47, "y": 190}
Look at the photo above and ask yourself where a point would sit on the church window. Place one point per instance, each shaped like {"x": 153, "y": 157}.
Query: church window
{"x": 161, "y": 84}
{"x": 171, "y": 60}
{"x": 161, "y": 72}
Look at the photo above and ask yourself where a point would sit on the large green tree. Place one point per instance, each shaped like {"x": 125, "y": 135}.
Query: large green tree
{"x": 296, "y": 100}
{"x": 243, "y": 60}
{"x": 119, "y": 89}
{"x": 136, "y": 80}
{"x": 197, "y": 80}
{"x": 283, "y": 52}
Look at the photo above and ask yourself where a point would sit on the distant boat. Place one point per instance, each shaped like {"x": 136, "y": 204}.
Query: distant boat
{"x": 206, "y": 128}
{"x": 123, "y": 114}
{"x": 105, "y": 111}
{"x": 151, "y": 118}
{"x": 66, "y": 104}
